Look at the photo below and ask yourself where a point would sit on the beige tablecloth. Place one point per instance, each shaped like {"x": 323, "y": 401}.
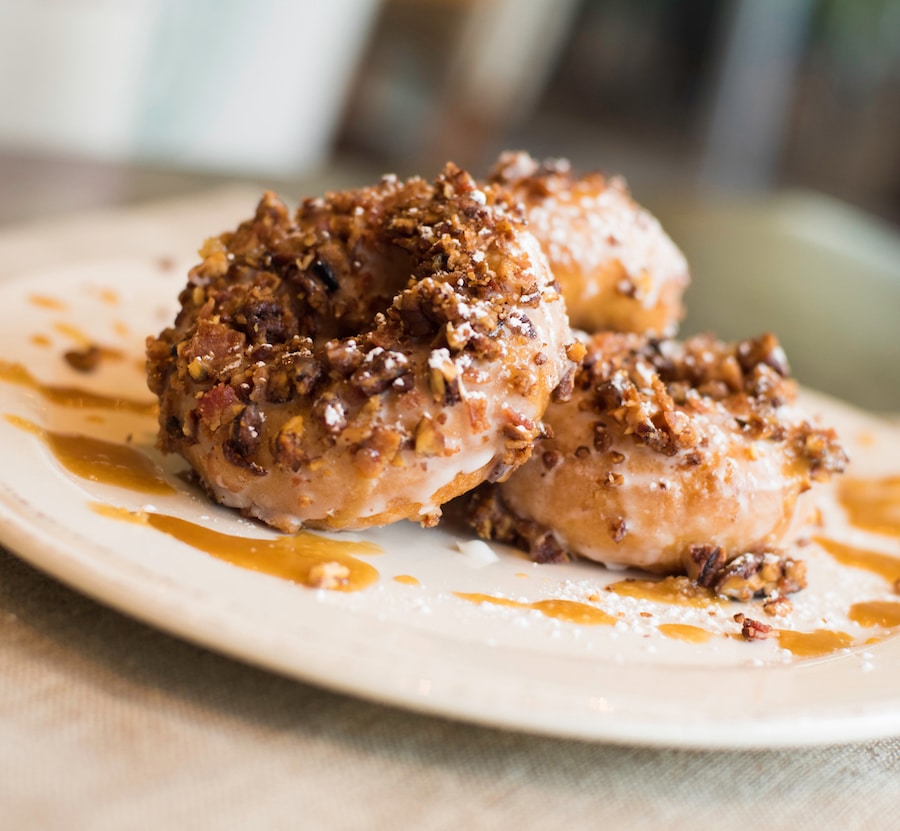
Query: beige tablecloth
{"x": 108, "y": 724}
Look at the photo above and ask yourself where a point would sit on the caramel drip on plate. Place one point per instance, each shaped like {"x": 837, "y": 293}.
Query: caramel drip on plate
{"x": 407, "y": 580}
{"x": 40, "y": 340}
{"x": 46, "y": 302}
{"x": 866, "y": 438}
{"x": 815, "y": 644}
{"x": 872, "y": 504}
{"x": 72, "y": 332}
{"x": 99, "y": 460}
{"x": 685, "y": 632}
{"x": 570, "y": 611}
{"x": 305, "y": 558}
{"x": 884, "y": 613}
{"x": 109, "y": 296}
{"x": 14, "y": 373}
{"x": 679, "y": 591}
{"x": 851, "y": 555}
{"x": 115, "y": 512}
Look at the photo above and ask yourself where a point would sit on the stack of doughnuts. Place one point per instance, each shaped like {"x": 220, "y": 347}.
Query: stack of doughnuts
{"x": 381, "y": 351}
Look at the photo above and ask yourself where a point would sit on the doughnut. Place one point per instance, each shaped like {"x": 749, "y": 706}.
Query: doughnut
{"x": 617, "y": 268}
{"x": 365, "y": 360}
{"x": 670, "y": 457}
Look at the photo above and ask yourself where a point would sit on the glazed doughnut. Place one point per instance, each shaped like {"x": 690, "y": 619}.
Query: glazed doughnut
{"x": 617, "y": 268}
{"x": 669, "y": 457}
{"x": 365, "y": 361}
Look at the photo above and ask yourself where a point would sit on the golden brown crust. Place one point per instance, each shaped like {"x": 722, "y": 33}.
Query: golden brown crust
{"x": 404, "y": 332}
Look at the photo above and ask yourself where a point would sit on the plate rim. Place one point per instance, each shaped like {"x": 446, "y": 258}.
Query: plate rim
{"x": 66, "y": 562}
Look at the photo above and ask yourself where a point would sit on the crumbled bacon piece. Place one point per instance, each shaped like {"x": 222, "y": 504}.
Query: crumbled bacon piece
{"x": 218, "y": 406}
{"x": 753, "y": 630}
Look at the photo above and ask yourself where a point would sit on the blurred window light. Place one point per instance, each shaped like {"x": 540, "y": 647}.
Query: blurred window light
{"x": 249, "y": 85}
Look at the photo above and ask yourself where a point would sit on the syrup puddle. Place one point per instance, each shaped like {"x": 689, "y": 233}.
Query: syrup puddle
{"x": 815, "y": 644}
{"x": 98, "y": 460}
{"x": 685, "y": 632}
{"x": 570, "y": 611}
{"x": 677, "y": 591}
{"x": 305, "y": 558}
{"x": 884, "y": 613}
{"x": 44, "y": 301}
{"x": 851, "y": 555}
{"x": 872, "y": 504}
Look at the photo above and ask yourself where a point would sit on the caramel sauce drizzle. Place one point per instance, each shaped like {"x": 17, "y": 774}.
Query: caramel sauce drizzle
{"x": 850, "y": 555}
{"x": 866, "y": 438}
{"x": 407, "y": 580}
{"x": 109, "y": 296}
{"x": 46, "y": 302}
{"x": 872, "y": 504}
{"x": 884, "y": 613}
{"x": 679, "y": 591}
{"x": 685, "y": 632}
{"x": 570, "y": 611}
{"x": 72, "y": 332}
{"x": 14, "y": 373}
{"x": 815, "y": 644}
{"x": 115, "y": 512}
{"x": 98, "y": 460}
{"x": 40, "y": 340}
{"x": 304, "y": 558}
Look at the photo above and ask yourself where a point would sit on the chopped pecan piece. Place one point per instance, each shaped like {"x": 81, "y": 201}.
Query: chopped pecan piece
{"x": 777, "y": 605}
{"x": 705, "y": 564}
{"x": 493, "y": 521}
{"x": 289, "y": 446}
{"x": 233, "y": 455}
{"x": 747, "y": 575}
{"x": 443, "y": 377}
{"x": 344, "y": 356}
{"x": 429, "y": 439}
{"x": 245, "y": 431}
{"x": 378, "y": 371}
{"x": 618, "y": 528}
{"x": 84, "y": 360}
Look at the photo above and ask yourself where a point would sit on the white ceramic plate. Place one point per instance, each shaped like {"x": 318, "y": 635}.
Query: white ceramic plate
{"x": 416, "y": 646}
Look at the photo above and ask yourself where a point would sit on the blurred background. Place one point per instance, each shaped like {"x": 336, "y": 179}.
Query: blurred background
{"x": 786, "y": 111}
{"x": 728, "y": 94}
